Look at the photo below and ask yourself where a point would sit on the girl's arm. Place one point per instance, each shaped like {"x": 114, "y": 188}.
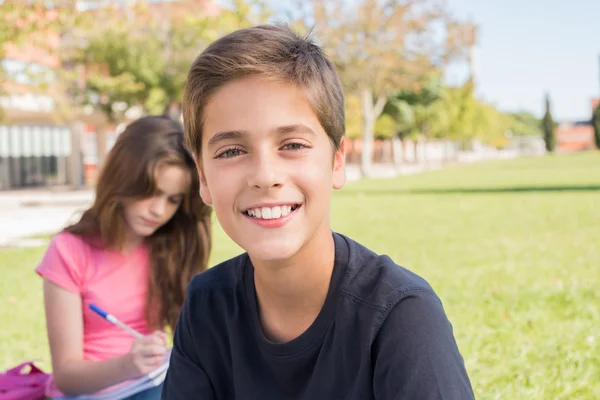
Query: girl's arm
{"x": 71, "y": 373}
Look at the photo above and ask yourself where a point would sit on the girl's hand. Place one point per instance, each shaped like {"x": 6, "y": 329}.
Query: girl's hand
{"x": 147, "y": 353}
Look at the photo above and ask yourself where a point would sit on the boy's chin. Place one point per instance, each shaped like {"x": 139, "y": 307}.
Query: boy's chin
{"x": 272, "y": 252}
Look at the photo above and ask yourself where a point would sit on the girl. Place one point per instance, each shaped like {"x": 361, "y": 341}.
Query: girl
{"x": 132, "y": 254}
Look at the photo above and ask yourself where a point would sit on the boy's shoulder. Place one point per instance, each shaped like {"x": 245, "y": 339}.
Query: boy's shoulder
{"x": 378, "y": 281}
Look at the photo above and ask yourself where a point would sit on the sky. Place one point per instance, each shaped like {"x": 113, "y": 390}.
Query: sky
{"x": 531, "y": 47}
{"x": 528, "y": 48}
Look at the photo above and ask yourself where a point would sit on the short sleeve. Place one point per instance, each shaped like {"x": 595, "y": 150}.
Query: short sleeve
{"x": 64, "y": 262}
{"x": 416, "y": 353}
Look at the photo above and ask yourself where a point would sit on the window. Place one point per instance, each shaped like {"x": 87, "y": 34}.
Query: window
{"x": 26, "y": 73}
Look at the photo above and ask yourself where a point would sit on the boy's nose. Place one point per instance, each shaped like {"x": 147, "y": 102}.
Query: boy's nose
{"x": 265, "y": 173}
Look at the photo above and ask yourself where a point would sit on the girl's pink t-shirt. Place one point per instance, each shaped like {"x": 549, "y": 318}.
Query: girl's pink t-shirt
{"x": 115, "y": 282}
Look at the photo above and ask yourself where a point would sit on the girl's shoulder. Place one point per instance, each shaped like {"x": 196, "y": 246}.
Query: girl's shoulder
{"x": 75, "y": 244}
{"x": 69, "y": 238}
{"x": 66, "y": 261}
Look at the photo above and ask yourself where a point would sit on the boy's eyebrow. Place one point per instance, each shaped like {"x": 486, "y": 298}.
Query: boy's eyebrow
{"x": 282, "y": 130}
{"x": 236, "y": 135}
{"x": 227, "y": 135}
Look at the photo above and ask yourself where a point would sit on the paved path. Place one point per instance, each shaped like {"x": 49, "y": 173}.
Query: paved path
{"x": 25, "y": 213}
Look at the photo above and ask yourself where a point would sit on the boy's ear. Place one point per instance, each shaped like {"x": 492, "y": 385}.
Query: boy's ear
{"x": 339, "y": 164}
{"x": 204, "y": 192}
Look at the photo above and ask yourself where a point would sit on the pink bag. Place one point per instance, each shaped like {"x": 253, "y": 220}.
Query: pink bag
{"x": 23, "y": 383}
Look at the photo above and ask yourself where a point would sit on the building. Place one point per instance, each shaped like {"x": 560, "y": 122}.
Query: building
{"x": 34, "y": 147}
{"x": 37, "y": 146}
{"x": 576, "y": 135}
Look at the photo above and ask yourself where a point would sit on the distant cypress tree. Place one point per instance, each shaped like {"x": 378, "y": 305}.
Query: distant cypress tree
{"x": 548, "y": 127}
{"x": 596, "y": 125}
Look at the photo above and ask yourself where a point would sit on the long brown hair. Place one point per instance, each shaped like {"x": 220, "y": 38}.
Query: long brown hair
{"x": 180, "y": 248}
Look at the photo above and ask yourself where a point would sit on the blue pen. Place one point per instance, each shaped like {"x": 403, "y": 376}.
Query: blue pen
{"x": 113, "y": 320}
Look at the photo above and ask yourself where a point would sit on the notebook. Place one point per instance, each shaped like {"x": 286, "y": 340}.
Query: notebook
{"x": 129, "y": 388}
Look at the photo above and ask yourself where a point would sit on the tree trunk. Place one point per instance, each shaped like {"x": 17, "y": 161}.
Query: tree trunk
{"x": 426, "y": 147}
{"x": 370, "y": 113}
{"x": 397, "y": 151}
{"x": 100, "y": 146}
{"x": 75, "y": 159}
{"x": 416, "y": 150}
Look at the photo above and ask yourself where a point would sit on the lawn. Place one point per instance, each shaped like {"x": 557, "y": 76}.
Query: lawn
{"x": 511, "y": 247}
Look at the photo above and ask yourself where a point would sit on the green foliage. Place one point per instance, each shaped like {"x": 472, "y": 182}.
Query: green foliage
{"x": 490, "y": 125}
{"x": 438, "y": 111}
{"x": 460, "y": 108}
{"x": 415, "y": 110}
{"x": 525, "y": 124}
{"x": 460, "y": 116}
{"x": 385, "y": 127}
{"x": 353, "y": 117}
{"x": 17, "y": 21}
{"x": 403, "y": 116}
{"x": 36, "y": 27}
{"x": 596, "y": 125}
{"x": 141, "y": 55}
{"x": 548, "y": 127}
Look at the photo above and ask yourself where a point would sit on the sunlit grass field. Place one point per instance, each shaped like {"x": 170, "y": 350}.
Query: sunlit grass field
{"x": 511, "y": 247}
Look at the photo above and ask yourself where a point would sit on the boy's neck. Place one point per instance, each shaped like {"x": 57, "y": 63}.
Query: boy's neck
{"x": 291, "y": 294}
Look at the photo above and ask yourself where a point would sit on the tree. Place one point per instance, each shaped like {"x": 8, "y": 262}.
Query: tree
{"x": 353, "y": 116}
{"x": 490, "y": 125}
{"x": 379, "y": 47}
{"x": 24, "y": 24}
{"x": 548, "y": 127}
{"x": 596, "y": 125}
{"x": 12, "y": 30}
{"x": 137, "y": 62}
{"x": 140, "y": 58}
{"x": 525, "y": 124}
{"x": 415, "y": 111}
{"x": 460, "y": 106}
{"x": 137, "y": 58}
{"x": 385, "y": 127}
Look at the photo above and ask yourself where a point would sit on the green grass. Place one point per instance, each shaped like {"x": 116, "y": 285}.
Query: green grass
{"x": 511, "y": 247}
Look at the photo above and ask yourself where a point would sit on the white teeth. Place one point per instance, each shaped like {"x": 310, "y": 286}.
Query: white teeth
{"x": 276, "y": 212}
{"x": 270, "y": 212}
{"x": 266, "y": 213}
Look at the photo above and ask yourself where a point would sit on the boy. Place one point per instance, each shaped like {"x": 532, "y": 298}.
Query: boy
{"x": 305, "y": 313}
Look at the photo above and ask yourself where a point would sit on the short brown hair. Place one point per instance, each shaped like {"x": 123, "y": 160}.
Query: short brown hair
{"x": 271, "y": 51}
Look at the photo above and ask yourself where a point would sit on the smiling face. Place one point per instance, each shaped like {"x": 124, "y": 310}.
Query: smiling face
{"x": 268, "y": 167}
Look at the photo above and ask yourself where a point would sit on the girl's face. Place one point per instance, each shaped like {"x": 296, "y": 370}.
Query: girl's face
{"x": 145, "y": 216}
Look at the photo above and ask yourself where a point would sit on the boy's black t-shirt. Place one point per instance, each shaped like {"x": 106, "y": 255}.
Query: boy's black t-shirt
{"x": 382, "y": 334}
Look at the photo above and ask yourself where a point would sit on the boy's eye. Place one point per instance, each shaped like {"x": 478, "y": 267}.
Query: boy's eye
{"x": 294, "y": 146}
{"x": 229, "y": 153}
